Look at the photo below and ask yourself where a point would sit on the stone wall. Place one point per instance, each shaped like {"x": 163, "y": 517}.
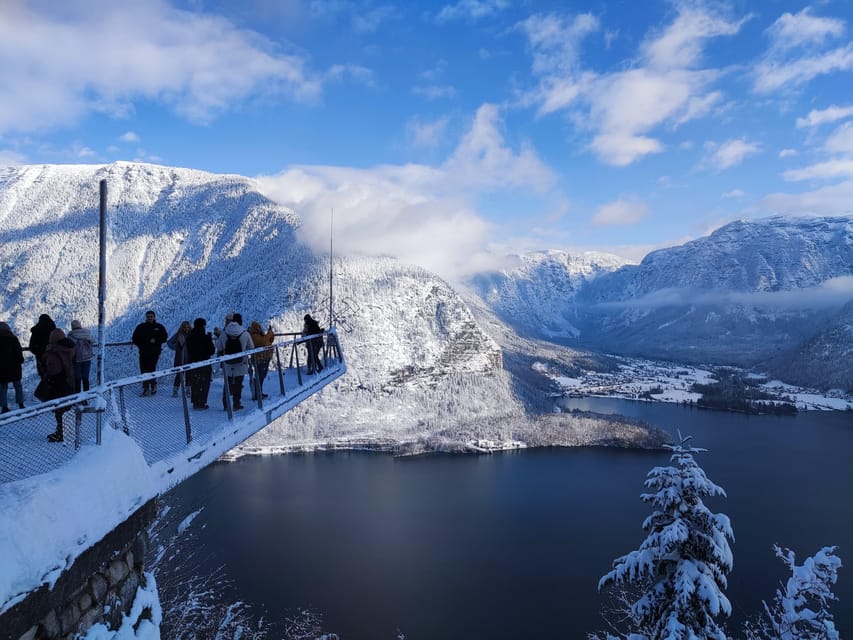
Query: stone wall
{"x": 98, "y": 588}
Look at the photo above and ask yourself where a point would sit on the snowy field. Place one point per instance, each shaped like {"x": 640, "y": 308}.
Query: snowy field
{"x": 671, "y": 382}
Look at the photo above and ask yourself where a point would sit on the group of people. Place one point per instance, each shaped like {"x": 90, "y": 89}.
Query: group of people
{"x": 193, "y": 343}
{"x": 63, "y": 363}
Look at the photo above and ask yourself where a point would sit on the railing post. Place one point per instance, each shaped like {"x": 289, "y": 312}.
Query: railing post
{"x": 78, "y": 426}
{"x": 123, "y": 408}
{"x": 226, "y": 389}
{"x": 186, "y": 407}
{"x": 256, "y": 381}
{"x": 280, "y": 372}
{"x": 298, "y": 369}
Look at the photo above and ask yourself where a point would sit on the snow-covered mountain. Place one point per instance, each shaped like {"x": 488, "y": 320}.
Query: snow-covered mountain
{"x": 740, "y": 295}
{"x": 188, "y": 243}
{"x": 535, "y": 294}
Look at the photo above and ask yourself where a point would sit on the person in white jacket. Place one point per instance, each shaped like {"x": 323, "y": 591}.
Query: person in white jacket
{"x": 234, "y": 339}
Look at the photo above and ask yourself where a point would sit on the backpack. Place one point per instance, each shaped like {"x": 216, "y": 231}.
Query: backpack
{"x": 232, "y": 345}
{"x": 83, "y": 351}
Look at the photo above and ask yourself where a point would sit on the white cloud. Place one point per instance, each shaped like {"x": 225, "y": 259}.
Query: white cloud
{"x": 104, "y": 55}
{"x": 420, "y": 214}
{"x": 794, "y": 57}
{"x": 427, "y": 134}
{"x": 818, "y": 117}
{"x": 841, "y": 140}
{"x": 729, "y": 153}
{"x": 787, "y": 153}
{"x": 624, "y": 108}
{"x": 734, "y": 193}
{"x": 774, "y": 74}
{"x": 85, "y": 152}
{"x": 830, "y": 201}
{"x": 620, "y": 212}
{"x": 129, "y": 136}
{"x": 13, "y": 158}
{"x": 680, "y": 44}
{"x": 803, "y": 28}
{"x": 822, "y": 170}
{"x": 471, "y": 10}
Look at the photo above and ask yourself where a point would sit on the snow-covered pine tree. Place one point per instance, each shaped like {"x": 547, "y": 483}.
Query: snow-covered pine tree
{"x": 801, "y": 612}
{"x": 679, "y": 572}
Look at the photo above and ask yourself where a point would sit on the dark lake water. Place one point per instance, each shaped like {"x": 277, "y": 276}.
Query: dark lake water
{"x": 512, "y": 545}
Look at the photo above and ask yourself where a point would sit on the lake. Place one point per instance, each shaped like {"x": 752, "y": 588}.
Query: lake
{"x": 511, "y": 545}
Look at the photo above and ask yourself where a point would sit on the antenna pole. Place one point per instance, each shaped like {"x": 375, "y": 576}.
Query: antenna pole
{"x": 102, "y": 281}
{"x": 331, "y": 255}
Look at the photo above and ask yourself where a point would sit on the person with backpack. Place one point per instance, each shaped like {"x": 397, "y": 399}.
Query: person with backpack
{"x": 234, "y": 340}
{"x": 178, "y": 344}
{"x": 84, "y": 352}
{"x": 199, "y": 348}
{"x": 39, "y": 336}
{"x": 149, "y": 337}
{"x": 11, "y": 359}
{"x": 58, "y": 377}
{"x": 315, "y": 345}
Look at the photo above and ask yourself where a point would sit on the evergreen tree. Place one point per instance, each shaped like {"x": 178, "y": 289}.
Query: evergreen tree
{"x": 801, "y": 612}
{"x": 679, "y": 572}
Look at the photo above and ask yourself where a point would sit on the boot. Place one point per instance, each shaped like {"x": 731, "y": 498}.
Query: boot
{"x": 56, "y": 436}
{"x": 21, "y": 405}
{"x": 5, "y": 410}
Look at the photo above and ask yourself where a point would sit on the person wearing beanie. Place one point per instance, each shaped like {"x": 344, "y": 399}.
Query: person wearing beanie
{"x": 11, "y": 359}
{"x": 84, "y": 353}
{"x": 58, "y": 376}
{"x": 149, "y": 337}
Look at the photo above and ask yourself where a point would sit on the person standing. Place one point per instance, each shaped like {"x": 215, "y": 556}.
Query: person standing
{"x": 39, "y": 336}
{"x": 58, "y": 367}
{"x": 84, "y": 352}
{"x": 178, "y": 343}
{"x": 199, "y": 348}
{"x": 11, "y": 359}
{"x": 234, "y": 339}
{"x": 315, "y": 345}
{"x": 262, "y": 359}
{"x": 149, "y": 337}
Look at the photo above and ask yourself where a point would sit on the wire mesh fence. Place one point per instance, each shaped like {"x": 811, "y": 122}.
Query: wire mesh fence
{"x": 163, "y": 411}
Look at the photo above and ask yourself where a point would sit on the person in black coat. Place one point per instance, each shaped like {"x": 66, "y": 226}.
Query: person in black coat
{"x": 315, "y": 345}
{"x": 200, "y": 348}
{"x": 149, "y": 337}
{"x": 39, "y": 336}
{"x": 11, "y": 359}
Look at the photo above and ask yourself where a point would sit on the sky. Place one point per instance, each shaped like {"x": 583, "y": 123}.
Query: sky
{"x": 451, "y": 132}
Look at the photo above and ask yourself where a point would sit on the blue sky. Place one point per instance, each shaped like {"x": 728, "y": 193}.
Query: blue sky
{"x": 449, "y": 132}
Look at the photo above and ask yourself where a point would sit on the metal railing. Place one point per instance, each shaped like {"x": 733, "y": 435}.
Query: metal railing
{"x": 163, "y": 424}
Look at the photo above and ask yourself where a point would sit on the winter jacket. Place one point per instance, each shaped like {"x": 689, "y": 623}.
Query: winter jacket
{"x": 149, "y": 337}
{"x": 261, "y": 339}
{"x": 199, "y": 346}
{"x": 178, "y": 343}
{"x": 11, "y": 357}
{"x": 234, "y": 330}
{"x": 40, "y": 335}
{"x": 58, "y": 363}
{"x": 83, "y": 344}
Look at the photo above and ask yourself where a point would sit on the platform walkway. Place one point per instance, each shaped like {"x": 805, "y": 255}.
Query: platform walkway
{"x": 176, "y": 440}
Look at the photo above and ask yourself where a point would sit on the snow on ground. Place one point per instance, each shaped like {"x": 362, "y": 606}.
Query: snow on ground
{"x": 44, "y": 528}
{"x": 671, "y": 382}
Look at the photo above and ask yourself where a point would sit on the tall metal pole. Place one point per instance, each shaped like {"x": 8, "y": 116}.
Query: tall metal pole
{"x": 102, "y": 282}
{"x": 331, "y": 268}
